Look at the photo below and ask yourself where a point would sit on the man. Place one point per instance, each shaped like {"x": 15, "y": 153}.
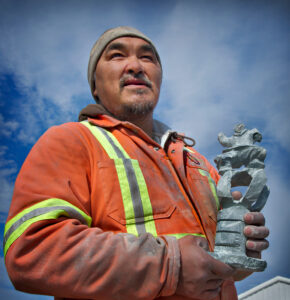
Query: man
{"x": 119, "y": 206}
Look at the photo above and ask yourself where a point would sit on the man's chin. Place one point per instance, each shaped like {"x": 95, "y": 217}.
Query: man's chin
{"x": 136, "y": 110}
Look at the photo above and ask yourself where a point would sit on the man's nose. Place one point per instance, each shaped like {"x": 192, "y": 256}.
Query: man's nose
{"x": 134, "y": 65}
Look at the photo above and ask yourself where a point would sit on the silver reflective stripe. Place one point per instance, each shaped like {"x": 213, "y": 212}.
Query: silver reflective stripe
{"x": 40, "y": 211}
{"x": 117, "y": 150}
{"x": 133, "y": 184}
{"x": 136, "y": 196}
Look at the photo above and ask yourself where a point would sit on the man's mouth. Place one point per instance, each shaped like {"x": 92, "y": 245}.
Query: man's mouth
{"x": 135, "y": 82}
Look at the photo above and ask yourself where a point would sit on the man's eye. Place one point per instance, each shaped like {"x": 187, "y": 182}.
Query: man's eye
{"x": 117, "y": 54}
{"x": 147, "y": 57}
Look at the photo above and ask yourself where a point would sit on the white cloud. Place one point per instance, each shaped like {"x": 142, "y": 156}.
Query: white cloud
{"x": 3, "y": 150}
{"x": 221, "y": 68}
{"x": 8, "y": 169}
{"x": 6, "y": 192}
{"x": 46, "y": 50}
{"x": 277, "y": 212}
{"x": 7, "y": 127}
{"x": 220, "y": 65}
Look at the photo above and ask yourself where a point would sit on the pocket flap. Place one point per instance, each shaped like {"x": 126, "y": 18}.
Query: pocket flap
{"x": 165, "y": 215}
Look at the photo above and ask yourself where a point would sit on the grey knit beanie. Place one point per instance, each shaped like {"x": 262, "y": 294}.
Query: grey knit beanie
{"x": 104, "y": 40}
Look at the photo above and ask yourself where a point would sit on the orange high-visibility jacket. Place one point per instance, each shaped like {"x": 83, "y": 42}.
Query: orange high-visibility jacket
{"x": 97, "y": 211}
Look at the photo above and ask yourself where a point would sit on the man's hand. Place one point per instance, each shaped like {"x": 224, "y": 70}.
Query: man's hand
{"x": 256, "y": 232}
{"x": 201, "y": 276}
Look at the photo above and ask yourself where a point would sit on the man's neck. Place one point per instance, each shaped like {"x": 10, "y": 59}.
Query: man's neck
{"x": 145, "y": 123}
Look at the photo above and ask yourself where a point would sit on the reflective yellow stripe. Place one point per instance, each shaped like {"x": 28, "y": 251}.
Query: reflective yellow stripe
{"x": 121, "y": 173}
{"x": 44, "y": 210}
{"x": 126, "y": 196}
{"x": 102, "y": 139}
{"x": 212, "y": 186}
{"x": 181, "y": 235}
{"x": 116, "y": 142}
{"x": 128, "y": 183}
{"x": 147, "y": 207}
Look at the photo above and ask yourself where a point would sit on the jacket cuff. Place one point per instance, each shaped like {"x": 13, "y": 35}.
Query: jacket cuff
{"x": 173, "y": 271}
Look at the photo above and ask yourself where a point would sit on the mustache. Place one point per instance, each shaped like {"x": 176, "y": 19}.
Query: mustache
{"x": 137, "y": 76}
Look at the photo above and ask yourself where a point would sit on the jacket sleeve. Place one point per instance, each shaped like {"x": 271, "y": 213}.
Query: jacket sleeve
{"x": 50, "y": 247}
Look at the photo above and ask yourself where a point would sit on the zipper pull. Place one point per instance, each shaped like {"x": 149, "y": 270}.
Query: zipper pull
{"x": 175, "y": 136}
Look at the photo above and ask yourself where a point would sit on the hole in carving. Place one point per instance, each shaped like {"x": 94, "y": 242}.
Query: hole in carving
{"x": 241, "y": 178}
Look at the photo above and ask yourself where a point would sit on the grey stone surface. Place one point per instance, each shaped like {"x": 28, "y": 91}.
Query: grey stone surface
{"x": 240, "y": 164}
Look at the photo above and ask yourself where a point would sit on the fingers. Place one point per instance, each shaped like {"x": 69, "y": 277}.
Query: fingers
{"x": 257, "y": 245}
{"x": 253, "y": 254}
{"x": 212, "y": 289}
{"x": 209, "y": 294}
{"x": 256, "y": 232}
{"x": 214, "y": 284}
{"x": 254, "y": 218}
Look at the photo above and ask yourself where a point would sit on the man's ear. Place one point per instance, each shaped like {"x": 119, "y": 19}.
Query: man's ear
{"x": 95, "y": 93}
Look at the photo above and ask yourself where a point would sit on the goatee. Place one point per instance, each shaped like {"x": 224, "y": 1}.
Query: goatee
{"x": 136, "y": 110}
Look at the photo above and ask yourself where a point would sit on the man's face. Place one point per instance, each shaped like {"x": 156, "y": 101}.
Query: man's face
{"x": 128, "y": 78}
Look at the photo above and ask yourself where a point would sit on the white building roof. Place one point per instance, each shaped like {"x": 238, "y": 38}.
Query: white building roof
{"x": 277, "y": 288}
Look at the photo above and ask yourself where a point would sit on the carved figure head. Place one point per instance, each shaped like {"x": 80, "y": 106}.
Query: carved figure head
{"x": 239, "y": 129}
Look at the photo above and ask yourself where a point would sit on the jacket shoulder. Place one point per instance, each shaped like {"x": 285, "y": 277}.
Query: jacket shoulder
{"x": 72, "y": 134}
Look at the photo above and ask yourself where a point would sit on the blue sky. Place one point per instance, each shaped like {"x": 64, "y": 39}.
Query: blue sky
{"x": 224, "y": 62}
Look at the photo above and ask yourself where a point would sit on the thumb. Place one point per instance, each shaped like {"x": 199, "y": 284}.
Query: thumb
{"x": 221, "y": 269}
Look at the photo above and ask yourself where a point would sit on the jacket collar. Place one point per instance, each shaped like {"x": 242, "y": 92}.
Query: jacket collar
{"x": 161, "y": 132}
{"x": 97, "y": 114}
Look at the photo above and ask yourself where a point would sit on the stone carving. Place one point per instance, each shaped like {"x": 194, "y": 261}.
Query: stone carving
{"x": 240, "y": 164}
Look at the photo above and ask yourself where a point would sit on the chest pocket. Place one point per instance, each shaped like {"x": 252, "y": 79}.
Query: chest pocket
{"x": 200, "y": 176}
{"x": 136, "y": 201}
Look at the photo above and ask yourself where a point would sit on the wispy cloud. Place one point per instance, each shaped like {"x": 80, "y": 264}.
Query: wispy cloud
{"x": 225, "y": 64}
{"x": 8, "y": 168}
{"x": 47, "y": 54}
{"x": 7, "y": 127}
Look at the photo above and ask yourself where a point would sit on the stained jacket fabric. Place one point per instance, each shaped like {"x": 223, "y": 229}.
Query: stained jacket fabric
{"x": 68, "y": 228}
